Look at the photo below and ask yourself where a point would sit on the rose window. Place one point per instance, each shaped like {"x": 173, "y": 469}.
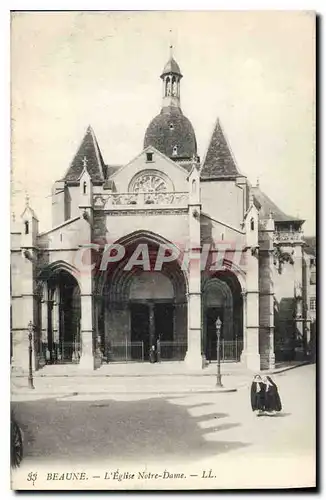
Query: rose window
{"x": 150, "y": 183}
{"x": 153, "y": 184}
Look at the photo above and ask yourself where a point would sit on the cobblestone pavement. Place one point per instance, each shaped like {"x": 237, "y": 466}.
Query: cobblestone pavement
{"x": 190, "y": 428}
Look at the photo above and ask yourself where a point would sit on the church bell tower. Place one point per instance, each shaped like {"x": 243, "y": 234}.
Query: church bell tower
{"x": 171, "y": 77}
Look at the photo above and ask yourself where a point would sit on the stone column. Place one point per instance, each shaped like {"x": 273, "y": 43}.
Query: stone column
{"x": 151, "y": 324}
{"x": 300, "y": 315}
{"x": 244, "y": 323}
{"x": 43, "y": 325}
{"x": 266, "y": 298}
{"x": 56, "y": 324}
{"x": 87, "y": 358}
{"x": 194, "y": 359}
{"x": 250, "y": 354}
{"x": 97, "y": 333}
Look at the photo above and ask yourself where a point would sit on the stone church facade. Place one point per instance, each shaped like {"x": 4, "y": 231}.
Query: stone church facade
{"x": 151, "y": 253}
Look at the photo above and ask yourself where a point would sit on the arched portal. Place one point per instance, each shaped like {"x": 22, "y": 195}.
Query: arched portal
{"x": 143, "y": 306}
{"x": 222, "y": 298}
{"x": 61, "y": 313}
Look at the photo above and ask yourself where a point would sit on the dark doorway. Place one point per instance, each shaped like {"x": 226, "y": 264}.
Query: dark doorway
{"x": 140, "y": 328}
{"x": 212, "y": 313}
{"x": 163, "y": 318}
{"x": 62, "y": 345}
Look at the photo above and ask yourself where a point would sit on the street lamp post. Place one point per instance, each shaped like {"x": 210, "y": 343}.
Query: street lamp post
{"x": 30, "y": 354}
{"x": 218, "y": 325}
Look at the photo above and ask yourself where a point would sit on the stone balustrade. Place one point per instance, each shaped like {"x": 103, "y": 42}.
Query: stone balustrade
{"x": 288, "y": 236}
{"x": 135, "y": 200}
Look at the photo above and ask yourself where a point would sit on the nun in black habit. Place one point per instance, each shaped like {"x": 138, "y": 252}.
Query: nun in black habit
{"x": 258, "y": 395}
{"x": 272, "y": 397}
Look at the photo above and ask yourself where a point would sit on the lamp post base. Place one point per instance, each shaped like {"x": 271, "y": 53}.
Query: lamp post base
{"x": 219, "y": 381}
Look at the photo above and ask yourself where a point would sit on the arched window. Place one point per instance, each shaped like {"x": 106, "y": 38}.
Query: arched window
{"x": 26, "y": 227}
{"x": 175, "y": 151}
{"x": 193, "y": 186}
{"x": 85, "y": 187}
{"x": 252, "y": 224}
{"x": 167, "y": 86}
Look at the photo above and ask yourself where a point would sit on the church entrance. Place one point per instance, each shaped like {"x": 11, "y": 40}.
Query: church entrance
{"x": 142, "y": 308}
{"x": 151, "y": 324}
{"x": 222, "y": 298}
{"x": 60, "y": 313}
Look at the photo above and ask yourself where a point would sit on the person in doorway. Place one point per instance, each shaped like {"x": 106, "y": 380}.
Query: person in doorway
{"x": 152, "y": 354}
{"x": 272, "y": 398}
{"x": 257, "y": 395}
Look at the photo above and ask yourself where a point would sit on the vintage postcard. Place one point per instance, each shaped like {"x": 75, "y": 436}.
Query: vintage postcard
{"x": 163, "y": 250}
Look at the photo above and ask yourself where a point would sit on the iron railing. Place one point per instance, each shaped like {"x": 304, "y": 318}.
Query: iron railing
{"x": 230, "y": 350}
{"x": 124, "y": 351}
{"x": 61, "y": 352}
{"x": 171, "y": 350}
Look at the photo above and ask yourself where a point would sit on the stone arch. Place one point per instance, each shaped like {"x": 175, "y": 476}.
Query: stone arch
{"x": 55, "y": 268}
{"x": 116, "y": 287}
{"x": 222, "y": 296}
{"x": 60, "y": 314}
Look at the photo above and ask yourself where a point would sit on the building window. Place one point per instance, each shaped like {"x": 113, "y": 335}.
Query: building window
{"x": 85, "y": 188}
{"x": 312, "y": 303}
{"x": 26, "y": 227}
{"x": 149, "y": 156}
{"x": 175, "y": 151}
{"x": 312, "y": 262}
{"x": 252, "y": 224}
{"x": 313, "y": 278}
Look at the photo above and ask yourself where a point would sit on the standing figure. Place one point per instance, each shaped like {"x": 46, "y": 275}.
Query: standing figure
{"x": 257, "y": 395}
{"x": 152, "y": 354}
{"x": 272, "y": 397}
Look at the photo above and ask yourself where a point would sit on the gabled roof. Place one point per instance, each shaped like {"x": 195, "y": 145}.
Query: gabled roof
{"x": 219, "y": 161}
{"x": 151, "y": 149}
{"x": 29, "y": 212}
{"x": 266, "y": 205}
{"x": 88, "y": 155}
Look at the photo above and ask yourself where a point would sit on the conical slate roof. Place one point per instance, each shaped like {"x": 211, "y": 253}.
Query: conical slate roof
{"x": 218, "y": 161}
{"x": 89, "y": 155}
{"x": 171, "y": 67}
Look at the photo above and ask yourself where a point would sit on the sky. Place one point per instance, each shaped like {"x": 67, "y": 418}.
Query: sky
{"x": 255, "y": 71}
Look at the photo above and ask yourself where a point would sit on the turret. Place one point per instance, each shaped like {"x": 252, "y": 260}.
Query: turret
{"x": 171, "y": 77}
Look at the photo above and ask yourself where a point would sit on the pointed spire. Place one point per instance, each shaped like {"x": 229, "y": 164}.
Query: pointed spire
{"x": 171, "y": 67}
{"x": 257, "y": 182}
{"x": 219, "y": 161}
{"x": 26, "y": 199}
{"x": 171, "y": 45}
{"x": 88, "y": 156}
